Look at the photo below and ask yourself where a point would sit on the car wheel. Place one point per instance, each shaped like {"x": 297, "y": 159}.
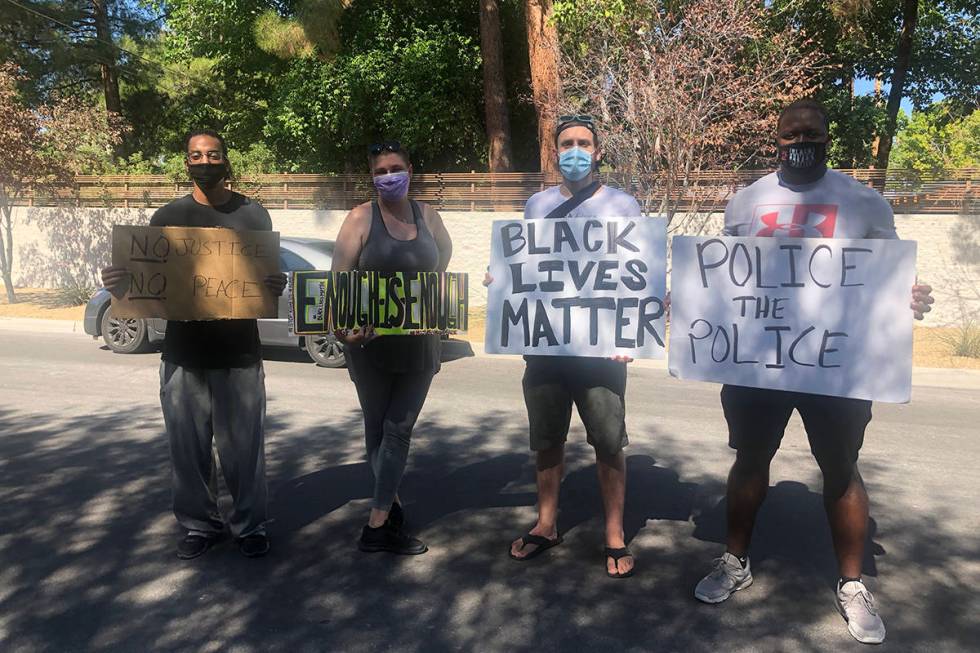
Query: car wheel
{"x": 326, "y": 350}
{"x": 123, "y": 336}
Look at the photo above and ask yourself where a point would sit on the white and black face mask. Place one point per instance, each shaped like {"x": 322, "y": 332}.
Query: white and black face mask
{"x": 802, "y": 162}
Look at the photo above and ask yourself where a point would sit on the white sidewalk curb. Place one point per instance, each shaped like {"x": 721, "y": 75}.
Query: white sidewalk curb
{"x": 40, "y": 325}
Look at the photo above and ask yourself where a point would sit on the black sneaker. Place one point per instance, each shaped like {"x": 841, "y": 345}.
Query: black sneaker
{"x": 194, "y": 545}
{"x": 255, "y": 545}
{"x": 387, "y": 538}
{"x": 396, "y": 516}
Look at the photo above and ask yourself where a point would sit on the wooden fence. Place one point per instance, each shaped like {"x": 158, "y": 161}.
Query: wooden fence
{"x": 907, "y": 190}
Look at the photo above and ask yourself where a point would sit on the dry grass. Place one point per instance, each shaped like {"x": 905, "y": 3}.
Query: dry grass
{"x": 39, "y": 303}
{"x": 932, "y": 349}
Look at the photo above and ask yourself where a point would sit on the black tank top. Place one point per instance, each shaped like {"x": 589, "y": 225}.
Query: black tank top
{"x": 382, "y": 253}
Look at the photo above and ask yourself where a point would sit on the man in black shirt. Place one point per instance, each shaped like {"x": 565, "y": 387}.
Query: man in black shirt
{"x": 212, "y": 385}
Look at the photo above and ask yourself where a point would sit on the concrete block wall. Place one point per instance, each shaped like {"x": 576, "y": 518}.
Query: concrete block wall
{"x": 56, "y": 245}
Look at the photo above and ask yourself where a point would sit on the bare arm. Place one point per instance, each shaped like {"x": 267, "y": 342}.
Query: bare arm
{"x": 353, "y": 234}
{"x": 346, "y": 251}
{"x": 441, "y": 235}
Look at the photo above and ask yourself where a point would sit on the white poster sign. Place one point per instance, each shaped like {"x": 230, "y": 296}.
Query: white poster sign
{"x": 577, "y": 287}
{"x": 823, "y": 316}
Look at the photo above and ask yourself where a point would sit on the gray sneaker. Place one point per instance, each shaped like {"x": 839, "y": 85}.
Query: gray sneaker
{"x": 728, "y": 576}
{"x": 860, "y": 611}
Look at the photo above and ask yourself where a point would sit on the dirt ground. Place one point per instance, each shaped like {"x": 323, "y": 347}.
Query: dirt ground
{"x": 929, "y": 348}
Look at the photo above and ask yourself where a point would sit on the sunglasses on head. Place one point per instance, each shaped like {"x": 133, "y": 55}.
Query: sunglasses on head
{"x": 583, "y": 119}
{"x": 385, "y": 146}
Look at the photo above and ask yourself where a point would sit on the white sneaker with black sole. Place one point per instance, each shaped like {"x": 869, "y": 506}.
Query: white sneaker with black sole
{"x": 860, "y": 610}
{"x": 728, "y": 576}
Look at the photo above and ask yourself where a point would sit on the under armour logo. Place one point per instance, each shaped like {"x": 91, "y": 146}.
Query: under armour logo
{"x": 795, "y": 220}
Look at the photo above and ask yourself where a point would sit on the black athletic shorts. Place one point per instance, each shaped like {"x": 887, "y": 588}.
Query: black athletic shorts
{"x": 834, "y": 426}
{"x": 597, "y": 386}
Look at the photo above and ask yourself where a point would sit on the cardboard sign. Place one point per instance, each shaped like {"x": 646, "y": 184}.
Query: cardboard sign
{"x": 190, "y": 273}
{"x": 577, "y": 287}
{"x": 394, "y": 303}
{"x": 816, "y": 315}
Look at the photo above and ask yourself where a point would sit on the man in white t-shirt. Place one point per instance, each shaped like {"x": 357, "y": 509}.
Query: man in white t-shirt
{"x": 596, "y": 386}
{"x": 803, "y": 199}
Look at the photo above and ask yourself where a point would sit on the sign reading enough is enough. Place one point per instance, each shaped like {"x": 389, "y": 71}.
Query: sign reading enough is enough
{"x": 394, "y": 303}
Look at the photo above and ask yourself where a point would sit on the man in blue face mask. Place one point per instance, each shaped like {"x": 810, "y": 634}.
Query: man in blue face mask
{"x": 597, "y": 386}
{"x": 580, "y": 194}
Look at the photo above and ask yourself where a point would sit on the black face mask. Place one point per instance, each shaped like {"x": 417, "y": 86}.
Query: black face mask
{"x": 802, "y": 162}
{"x": 207, "y": 175}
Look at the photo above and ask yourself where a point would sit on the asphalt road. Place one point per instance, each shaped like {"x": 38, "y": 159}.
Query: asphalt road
{"x": 87, "y": 537}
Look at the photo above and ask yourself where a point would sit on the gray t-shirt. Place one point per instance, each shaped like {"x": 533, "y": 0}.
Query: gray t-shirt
{"x": 606, "y": 203}
{"x": 834, "y": 206}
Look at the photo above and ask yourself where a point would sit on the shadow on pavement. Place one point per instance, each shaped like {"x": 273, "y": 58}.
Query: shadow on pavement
{"x": 86, "y": 540}
{"x": 791, "y": 525}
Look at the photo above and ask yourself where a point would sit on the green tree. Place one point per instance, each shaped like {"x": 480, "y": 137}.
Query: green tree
{"x": 311, "y": 30}
{"x": 863, "y": 39}
{"x": 937, "y": 140}
{"x": 71, "y": 48}
{"x": 406, "y": 69}
{"x": 235, "y": 79}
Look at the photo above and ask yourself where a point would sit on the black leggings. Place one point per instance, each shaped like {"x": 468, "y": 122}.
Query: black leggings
{"x": 391, "y": 403}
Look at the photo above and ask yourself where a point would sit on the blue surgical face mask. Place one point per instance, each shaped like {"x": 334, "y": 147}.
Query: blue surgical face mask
{"x": 575, "y": 164}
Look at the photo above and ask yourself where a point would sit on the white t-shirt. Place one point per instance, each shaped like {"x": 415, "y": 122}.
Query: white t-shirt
{"x": 606, "y": 203}
{"x": 834, "y": 206}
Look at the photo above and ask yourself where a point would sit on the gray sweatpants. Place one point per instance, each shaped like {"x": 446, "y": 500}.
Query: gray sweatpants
{"x": 391, "y": 404}
{"x": 228, "y": 406}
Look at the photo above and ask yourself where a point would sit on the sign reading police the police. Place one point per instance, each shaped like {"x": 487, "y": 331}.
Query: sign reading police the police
{"x": 394, "y": 303}
{"x": 816, "y": 315}
{"x": 577, "y": 287}
{"x": 195, "y": 273}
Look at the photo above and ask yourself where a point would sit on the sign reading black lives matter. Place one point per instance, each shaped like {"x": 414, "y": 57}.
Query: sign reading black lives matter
{"x": 577, "y": 287}
{"x": 394, "y": 303}
{"x": 823, "y": 316}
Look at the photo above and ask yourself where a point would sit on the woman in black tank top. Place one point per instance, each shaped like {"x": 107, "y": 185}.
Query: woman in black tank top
{"x": 392, "y": 374}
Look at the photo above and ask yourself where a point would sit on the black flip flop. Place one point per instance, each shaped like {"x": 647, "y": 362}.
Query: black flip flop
{"x": 543, "y": 544}
{"x": 617, "y": 555}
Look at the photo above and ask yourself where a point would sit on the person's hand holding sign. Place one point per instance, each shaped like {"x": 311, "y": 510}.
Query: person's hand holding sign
{"x": 356, "y": 337}
{"x": 921, "y": 300}
{"x": 276, "y": 283}
{"x": 114, "y": 279}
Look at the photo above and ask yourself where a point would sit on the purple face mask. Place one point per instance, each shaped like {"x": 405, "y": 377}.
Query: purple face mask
{"x": 392, "y": 186}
